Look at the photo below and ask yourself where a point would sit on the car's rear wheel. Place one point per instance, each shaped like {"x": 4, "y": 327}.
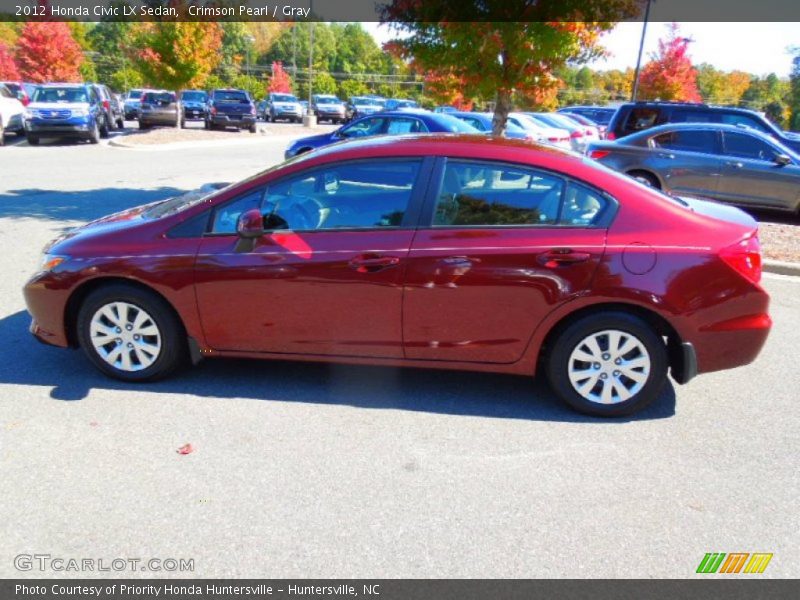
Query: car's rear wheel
{"x": 607, "y": 364}
{"x": 646, "y": 178}
{"x": 2, "y": 133}
{"x": 253, "y": 128}
{"x": 130, "y": 334}
{"x": 94, "y": 134}
{"x": 33, "y": 140}
{"x": 105, "y": 129}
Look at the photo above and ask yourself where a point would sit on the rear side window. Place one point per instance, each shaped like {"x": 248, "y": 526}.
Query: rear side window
{"x": 641, "y": 118}
{"x": 742, "y": 145}
{"x": 365, "y": 127}
{"x": 398, "y": 126}
{"x": 688, "y": 140}
{"x": 694, "y": 116}
{"x": 477, "y": 194}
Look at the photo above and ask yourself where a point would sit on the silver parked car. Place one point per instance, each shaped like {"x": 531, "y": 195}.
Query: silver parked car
{"x": 729, "y": 163}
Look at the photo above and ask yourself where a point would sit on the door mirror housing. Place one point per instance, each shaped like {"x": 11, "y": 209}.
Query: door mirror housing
{"x": 250, "y": 224}
{"x": 783, "y": 160}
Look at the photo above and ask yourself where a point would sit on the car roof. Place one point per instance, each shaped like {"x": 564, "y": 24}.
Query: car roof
{"x": 714, "y": 126}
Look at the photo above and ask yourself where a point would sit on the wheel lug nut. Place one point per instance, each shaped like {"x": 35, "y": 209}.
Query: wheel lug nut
{"x": 130, "y": 345}
{"x": 136, "y": 337}
{"x": 596, "y": 365}
{"x": 119, "y": 330}
{"x": 618, "y": 361}
{"x": 616, "y": 373}
{"x": 119, "y": 341}
{"x": 606, "y": 356}
{"x": 128, "y": 327}
{"x": 603, "y": 376}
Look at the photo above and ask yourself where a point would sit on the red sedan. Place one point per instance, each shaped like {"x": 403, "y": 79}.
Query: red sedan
{"x": 444, "y": 251}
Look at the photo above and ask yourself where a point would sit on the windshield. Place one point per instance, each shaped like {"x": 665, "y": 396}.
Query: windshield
{"x": 364, "y": 101}
{"x": 328, "y": 99}
{"x": 406, "y": 104}
{"x": 135, "y": 95}
{"x": 61, "y": 94}
{"x": 231, "y": 96}
{"x": 193, "y": 96}
{"x": 284, "y": 98}
{"x": 172, "y": 205}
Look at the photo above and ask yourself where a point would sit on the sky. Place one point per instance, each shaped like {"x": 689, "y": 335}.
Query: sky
{"x": 757, "y": 48}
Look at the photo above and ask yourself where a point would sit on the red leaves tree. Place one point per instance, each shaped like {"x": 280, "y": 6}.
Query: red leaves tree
{"x": 670, "y": 74}
{"x": 279, "y": 81}
{"x": 46, "y": 51}
{"x": 8, "y": 68}
{"x": 447, "y": 88}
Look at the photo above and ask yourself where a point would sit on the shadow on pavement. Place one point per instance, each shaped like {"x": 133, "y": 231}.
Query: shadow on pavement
{"x": 23, "y": 361}
{"x": 83, "y": 205}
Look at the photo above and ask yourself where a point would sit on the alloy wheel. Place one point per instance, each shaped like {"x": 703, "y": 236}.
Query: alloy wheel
{"x": 609, "y": 367}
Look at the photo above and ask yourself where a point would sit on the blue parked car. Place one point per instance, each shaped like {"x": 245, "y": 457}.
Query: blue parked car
{"x": 65, "y": 110}
{"x": 385, "y": 123}
{"x": 483, "y": 122}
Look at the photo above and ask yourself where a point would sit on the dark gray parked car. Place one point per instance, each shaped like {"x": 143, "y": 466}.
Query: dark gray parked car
{"x": 159, "y": 107}
{"x": 729, "y": 163}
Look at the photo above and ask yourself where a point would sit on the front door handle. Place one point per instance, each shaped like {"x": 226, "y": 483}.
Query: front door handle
{"x": 372, "y": 263}
{"x": 562, "y": 256}
{"x": 666, "y": 155}
{"x": 457, "y": 262}
{"x": 735, "y": 164}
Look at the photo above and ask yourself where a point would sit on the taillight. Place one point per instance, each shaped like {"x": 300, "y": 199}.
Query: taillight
{"x": 576, "y": 134}
{"x": 598, "y": 154}
{"x": 610, "y": 136}
{"x": 554, "y": 139}
{"x": 745, "y": 258}
{"x": 213, "y": 110}
{"x": 26, "y": 100}
{"x": 588, "y": 132}
{"x": 106, "y": 104}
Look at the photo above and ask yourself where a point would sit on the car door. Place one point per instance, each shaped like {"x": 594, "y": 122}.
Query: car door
{"x": 687, "y": 161}
{"x": 502, "y": 246}
{"x": 326, "y": 277}
{"x": 750, "y": 174}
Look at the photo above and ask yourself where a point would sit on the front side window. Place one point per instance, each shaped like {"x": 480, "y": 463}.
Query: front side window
{"x": 365, "y": 127}
{"x": 477, "y": 194}
{"x": 227, "y": 215}
{"x": 746, "y": 120}
{"x": 641, "y": 118}
{"x": 742, "y": 145}
{"x": 687, "y": 140}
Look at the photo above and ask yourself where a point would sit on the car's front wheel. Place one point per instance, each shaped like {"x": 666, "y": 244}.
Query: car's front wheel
{"x": 130, "y": 334}
{"x": 607, "y": 364}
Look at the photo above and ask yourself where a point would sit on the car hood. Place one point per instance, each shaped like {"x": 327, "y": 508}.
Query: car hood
{"x": 58, "y": 105}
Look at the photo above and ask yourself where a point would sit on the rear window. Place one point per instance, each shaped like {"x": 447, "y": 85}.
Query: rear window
{"x": 135, "y": 94}
{"x": 159, "y": 97}
{"x": 193, "y": 96}
{"x": 61, "y": 94}
{"x": 231, "y": 96}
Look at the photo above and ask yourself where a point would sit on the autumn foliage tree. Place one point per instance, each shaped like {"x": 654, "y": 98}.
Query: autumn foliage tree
{"x": 670, "y": 75}
{"x": 279, "y": 81}
{"x": 175, "y": 55}
{"x": 46, "y": 51}
{"x": 8, "y": 68}
{"x": 446, "y": 88}
{"x": 502, "y": 48}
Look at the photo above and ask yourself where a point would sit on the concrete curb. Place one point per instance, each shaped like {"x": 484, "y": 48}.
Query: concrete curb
{"x": 781, "y": 267}
{"x": 255, "y": 139}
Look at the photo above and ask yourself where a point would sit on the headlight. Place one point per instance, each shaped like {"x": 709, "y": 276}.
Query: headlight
{"x": 31, "y": 113}
{"x": 51, "y": 261}
{"x": 80, "y": 112}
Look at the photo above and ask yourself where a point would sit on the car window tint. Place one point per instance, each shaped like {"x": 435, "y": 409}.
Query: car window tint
{"x": 742, "y": 145}
{"x": 5, "y": 93}
{"x": 363, "y": 194}
{"x": 694, "y": 116}
{"x": 689, "y": 140}
{"x": 398, "y": 126}
{"x": 748, "y": 121}
{"x": 364, "y": 128}
{"x": 582, "y": 205}
{"x": 477, "y": 123}
{"x": 226, "y": 216}
{"x": 480, "y": 194}
{"x": 641, "y": 118}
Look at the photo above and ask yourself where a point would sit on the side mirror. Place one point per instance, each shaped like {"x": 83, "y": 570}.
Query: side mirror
{"x": 250, "y": 224}
{"x": 783, "y": 160}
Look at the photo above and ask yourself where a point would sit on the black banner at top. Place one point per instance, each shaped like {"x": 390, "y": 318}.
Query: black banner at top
{"x": 401, "y": 10}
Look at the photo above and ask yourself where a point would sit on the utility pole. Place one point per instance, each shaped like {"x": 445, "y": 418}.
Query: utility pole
{"x": 309, "y": 119}
{"x": 641, "y": 48}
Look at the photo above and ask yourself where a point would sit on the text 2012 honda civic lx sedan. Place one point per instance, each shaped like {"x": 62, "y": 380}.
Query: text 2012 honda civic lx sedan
{"x": 440, "y": 251}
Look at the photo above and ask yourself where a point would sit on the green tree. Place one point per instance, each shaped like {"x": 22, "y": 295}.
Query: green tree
{"x": 503, "y": 47}
{"x": 352, "y": 87}
{"x": 794, "y": 94}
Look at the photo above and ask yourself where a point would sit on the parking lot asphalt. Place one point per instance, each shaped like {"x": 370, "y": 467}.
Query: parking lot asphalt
{"x": 303, "y": 470}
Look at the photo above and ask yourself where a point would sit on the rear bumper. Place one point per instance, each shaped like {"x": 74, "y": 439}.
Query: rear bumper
{"x": 194, "y": 113}
{"x": 226, "y": 121}
{"x": 150, "y": 119}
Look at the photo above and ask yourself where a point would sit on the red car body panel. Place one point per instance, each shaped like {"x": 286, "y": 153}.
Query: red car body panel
{"x": 481, "y": 299}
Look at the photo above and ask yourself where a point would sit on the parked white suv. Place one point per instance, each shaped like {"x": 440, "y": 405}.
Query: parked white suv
{"x": 11, "y": 113}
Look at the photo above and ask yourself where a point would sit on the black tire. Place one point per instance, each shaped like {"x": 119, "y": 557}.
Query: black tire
{"x": 33, "y": 140}
{"x": 646, "y": 178}
{"x": 253, "y": 128}
{"x": 206, "y": 124}
{"x": 105, "y": 129}
{"x": 2, "y": 134}
{"x": 143, "y": 126}
{"x": 272, "y": 118}
{"x": 120, "y": 124}
{"x": 94, "y": 135}
{"x": 173, "y": 350}
{"x": 571, "y": 337}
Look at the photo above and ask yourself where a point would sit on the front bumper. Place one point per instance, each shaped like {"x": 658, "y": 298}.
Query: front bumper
{"x": 15, "y": 123}
{"x": 46, "y": 297}
{"x": 72, "y": 127}
{"x": 329, "y": 114}
{"x": 283, "y": 113}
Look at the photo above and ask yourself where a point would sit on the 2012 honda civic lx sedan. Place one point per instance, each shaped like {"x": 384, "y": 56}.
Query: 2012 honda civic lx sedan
{"x": 439, "y": 251}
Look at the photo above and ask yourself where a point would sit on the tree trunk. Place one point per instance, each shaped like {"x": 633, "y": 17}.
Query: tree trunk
{"x": 501, "y": 110}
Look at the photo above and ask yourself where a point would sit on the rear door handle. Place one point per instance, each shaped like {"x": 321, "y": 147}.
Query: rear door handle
{"x": 562, "y": 256}
{"x": 456, "y": 262}
{"x": 372, "y": 263}
{"x": 666, "y": 155}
